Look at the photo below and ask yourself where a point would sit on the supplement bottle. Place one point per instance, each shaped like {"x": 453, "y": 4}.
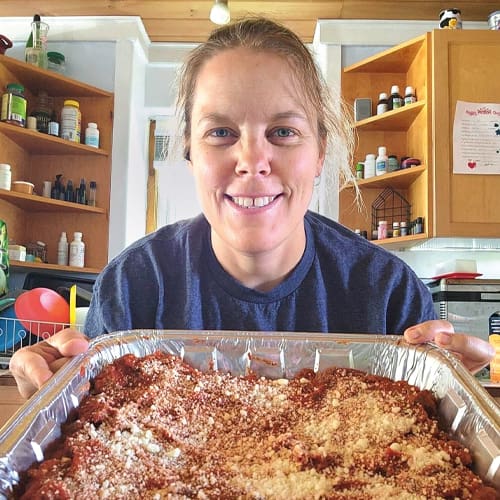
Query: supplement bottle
{"x": 360, "y": 167}
{"x": 382, "y": 230}
{"x": 14, "y": 105}
{"x": 62, "y": 250}
{"x": 92, "y": 135}
{"x": 77, "y": 251}
{"x": 5, "y": 176}
{"x": 410, "y": 96}
{"x": 54, "y": 125}
{"x": 392, "y": 163}
{"x": 71, "y": 120}
{"x": 395, "y": 230}
{"x": 383, "y": 104}
{"x": 395, "y": 99}
{"x": 381, "y": 161}
{"x": 403, "y": 228}
{"x": 369, "y": 166}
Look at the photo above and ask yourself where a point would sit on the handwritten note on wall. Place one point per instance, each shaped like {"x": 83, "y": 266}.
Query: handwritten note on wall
{"x": 476, "y": 138}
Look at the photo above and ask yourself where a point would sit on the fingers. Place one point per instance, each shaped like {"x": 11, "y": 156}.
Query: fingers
{"x": 474, "y": 352}
{"x": 32, "y": 366}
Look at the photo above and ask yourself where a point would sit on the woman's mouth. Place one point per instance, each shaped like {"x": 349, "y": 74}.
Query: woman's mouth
{"x": 249, "y": 202}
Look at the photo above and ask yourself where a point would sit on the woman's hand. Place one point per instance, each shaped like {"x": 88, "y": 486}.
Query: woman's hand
{"x": 32, "y": 366}
{"x": 472, "y": 351}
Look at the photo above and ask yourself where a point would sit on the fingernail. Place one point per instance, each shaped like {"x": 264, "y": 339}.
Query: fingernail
{"x": 443, "y": 338}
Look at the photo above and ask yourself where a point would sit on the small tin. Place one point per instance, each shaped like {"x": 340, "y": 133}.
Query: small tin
{"x": 450, "y": 19}
{"x": 494, "y": 20}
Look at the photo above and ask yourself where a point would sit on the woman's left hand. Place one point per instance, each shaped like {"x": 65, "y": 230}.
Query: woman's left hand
{"x": 474, "y": 352}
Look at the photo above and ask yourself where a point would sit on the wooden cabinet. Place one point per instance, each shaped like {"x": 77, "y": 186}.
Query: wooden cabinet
{"x": 443, "y": 66}
{"x": 37, "y": 157}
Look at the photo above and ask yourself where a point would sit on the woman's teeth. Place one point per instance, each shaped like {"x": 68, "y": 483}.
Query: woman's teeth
{"x": 245, "y": 202}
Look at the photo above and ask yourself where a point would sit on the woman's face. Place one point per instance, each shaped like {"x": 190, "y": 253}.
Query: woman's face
{"x": 254, "y": 152}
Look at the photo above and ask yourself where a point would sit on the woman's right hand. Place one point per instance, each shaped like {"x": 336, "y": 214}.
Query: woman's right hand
{"x": 33, "y": 365}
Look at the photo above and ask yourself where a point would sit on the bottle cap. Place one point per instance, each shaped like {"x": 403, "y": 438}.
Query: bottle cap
{"x": 382, "y": 150}
{"x": 71, "y": 102}
{"x": 382, "y": 222}
{"x": 92, "y": 125}
{"x": 77, "y": 235}
{"x": 383, "y": 95}
{"x": 409, "y": 90}
{"x": 394, "y": 89}
{"x": 370, "y": 156}
{"x": 4, "y": 166}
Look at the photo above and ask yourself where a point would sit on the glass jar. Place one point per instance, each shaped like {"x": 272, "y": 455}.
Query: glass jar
{"x": 56, "y": 62}
{"x": 14, "y": 105}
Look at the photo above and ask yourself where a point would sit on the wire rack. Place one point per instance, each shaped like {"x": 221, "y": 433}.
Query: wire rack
{"x": 390, "y": 206}
{"x": 16, "y": 333}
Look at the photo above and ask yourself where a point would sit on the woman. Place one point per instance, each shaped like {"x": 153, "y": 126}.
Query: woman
{"x": 258, "y": 126}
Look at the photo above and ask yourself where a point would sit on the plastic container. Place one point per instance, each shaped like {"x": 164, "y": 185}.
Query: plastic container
{"x": 382, "y": 230}
{"x": 23, "y": 187}
{"x": 381, "y": 161}
{"x": 77, "y": 251}
{"x": 410, "y": 96}
{"x": 395, "y": 99}
{"x": 369, "y": 166}
{"x": 14, "y": 105}
{"x": 5, "y": 176}
{"x": 71, "y": 121}
{"x": 62, "y": 250}
{"x": 92, "y": 135}
{"x": 56, "y": 62}
{"x": 42, "y": 311}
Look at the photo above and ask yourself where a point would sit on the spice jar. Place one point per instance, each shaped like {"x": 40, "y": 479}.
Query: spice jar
{"x": 14, "y": 105}
{"x": 56, "y": 62}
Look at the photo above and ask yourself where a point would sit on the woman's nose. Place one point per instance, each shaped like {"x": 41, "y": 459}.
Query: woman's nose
{"x": 253, "y": 157}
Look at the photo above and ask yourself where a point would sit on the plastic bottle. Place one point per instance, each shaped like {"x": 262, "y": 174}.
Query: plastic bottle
{"x": 382, "y": 230}
{"x": 360, "y": 167}
{"x": 81, "y": 193}
{"x": 383, "y": 104}
{"x": 54, "y": 125}
{"x": 14, "y": 105}
{"x": 77, "y": 251}
{"x": 395, "y": 99}
{"x": 92, "y": 193}
{"x": 62, "y": 250}
{"x": 92, "y": 135}
{"x": 381, "y": 161}
{"x": 5, "y": 176}
{"x": 71, "y": 121}
{"x": 410, "y": 96}
{"x": 369, "y": 166}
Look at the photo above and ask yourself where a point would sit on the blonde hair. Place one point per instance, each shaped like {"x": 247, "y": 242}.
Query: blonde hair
{"x": 334, "y": 122}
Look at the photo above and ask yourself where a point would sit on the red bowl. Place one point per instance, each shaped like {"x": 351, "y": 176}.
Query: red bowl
{"x": 42, "y": 311}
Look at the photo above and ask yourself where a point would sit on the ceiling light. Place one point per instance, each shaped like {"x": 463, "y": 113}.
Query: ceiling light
{"x": 219, "y": 14}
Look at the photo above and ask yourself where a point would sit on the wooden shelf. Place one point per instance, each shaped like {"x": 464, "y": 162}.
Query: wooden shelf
{"x": 53, "y": 267}
{"x": 394, "y": 120}
{"x": 394, "y": 60}
{"x": 35, "y": 203}
{"x": 36, "y": 142}
{"x": 401, "y": 241}
{"x": 400, "y": 179}
{"x": 37, "y": 79}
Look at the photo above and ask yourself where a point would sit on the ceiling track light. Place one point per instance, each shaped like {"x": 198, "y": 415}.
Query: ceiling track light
{"x": 219, "y": 14}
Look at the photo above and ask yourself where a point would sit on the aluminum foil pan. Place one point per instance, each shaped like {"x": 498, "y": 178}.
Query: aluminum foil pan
{"x": 465, "y": 408}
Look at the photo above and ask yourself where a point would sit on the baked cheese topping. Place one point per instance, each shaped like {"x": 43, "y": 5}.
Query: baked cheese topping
{"x": 156, "y": 428}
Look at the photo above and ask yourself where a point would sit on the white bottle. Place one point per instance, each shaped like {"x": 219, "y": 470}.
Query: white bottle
{"x": 92, "y": 135}
{"x": 381, "y": 161}
{"x": 369, "y": 166}
{"x": 77, "y": 251}
{"x": 5, "y": 176}
{"x": 62, "y": 250}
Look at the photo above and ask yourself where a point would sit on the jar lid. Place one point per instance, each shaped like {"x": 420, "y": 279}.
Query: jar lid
{"x": 92, "y": 125}
{"x": 56, "y": 57}
{"x": 70, "y": 102}
{"x": 4, "y": 166}
{"x": 15, "y": 86}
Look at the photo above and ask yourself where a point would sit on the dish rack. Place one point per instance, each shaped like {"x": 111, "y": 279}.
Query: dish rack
{"x": 16, "y": 333}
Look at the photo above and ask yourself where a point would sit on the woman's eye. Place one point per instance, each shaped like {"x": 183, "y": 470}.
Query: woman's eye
{"x": 220, "y": 132}
{"x": 283, "y": 132}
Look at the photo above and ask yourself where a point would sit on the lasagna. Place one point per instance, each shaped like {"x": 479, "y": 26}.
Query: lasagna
{"x": 154, "y": 427}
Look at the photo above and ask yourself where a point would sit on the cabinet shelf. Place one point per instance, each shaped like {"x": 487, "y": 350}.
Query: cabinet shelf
{"x": 35, "y": 203}
{"x": 36, "y": 142}
{"x": 399, "y": 179}
{"x": 394, "y": 120}
{"x": 53, "y": 267}
{"x": 401, "y": 241}
{"x": 396, "y": 59}
{"x": 37, "y": 79}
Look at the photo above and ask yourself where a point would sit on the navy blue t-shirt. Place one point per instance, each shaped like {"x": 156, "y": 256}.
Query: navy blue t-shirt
{"x": 171, "y": 279}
